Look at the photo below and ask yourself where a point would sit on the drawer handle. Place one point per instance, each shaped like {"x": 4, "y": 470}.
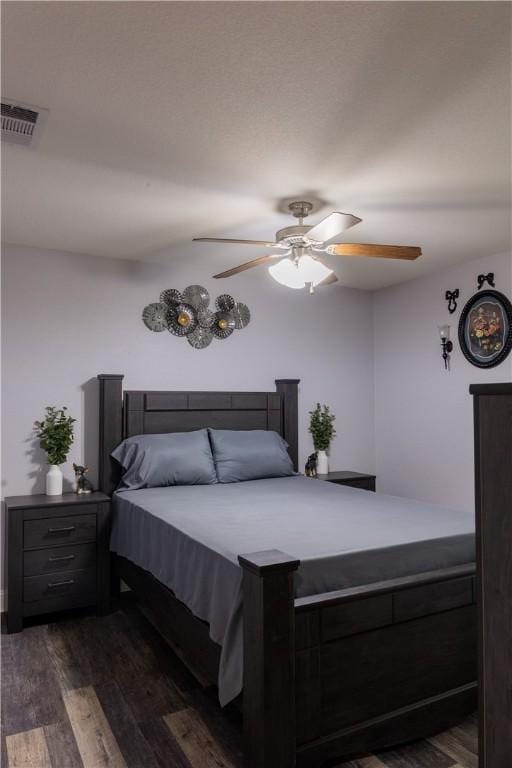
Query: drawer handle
{"x": 61, "y": 558}
{"x": 67, "y": 529}
{"x": 55, "y": 584}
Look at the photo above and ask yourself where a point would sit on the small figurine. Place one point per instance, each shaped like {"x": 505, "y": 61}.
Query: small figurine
{"x": 310, "y": 468}
{"x": 83, "y": 485}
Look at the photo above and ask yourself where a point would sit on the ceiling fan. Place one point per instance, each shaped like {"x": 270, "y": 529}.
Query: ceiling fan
{"x": 299, "y": 266}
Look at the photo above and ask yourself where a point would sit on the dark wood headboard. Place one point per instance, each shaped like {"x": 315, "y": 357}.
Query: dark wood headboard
{"x": 150, "y": 412}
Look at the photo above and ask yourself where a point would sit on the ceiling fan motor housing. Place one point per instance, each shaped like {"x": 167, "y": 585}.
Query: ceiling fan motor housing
{"x": 300, "y": 208}
{"x": 294, "y": 235}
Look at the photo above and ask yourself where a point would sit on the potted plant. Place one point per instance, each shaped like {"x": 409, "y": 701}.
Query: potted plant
{"x": 322, "y": 430}
{"x": 55, "y": 433}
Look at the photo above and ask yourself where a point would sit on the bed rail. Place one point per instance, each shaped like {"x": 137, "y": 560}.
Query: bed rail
{"x": 340, "y": 596}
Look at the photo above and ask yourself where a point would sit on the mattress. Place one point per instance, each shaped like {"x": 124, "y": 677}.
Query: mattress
{"x": 189, "y": 538}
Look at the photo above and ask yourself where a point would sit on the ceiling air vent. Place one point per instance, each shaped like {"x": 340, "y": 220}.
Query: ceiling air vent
{"x": 21, "y": 123}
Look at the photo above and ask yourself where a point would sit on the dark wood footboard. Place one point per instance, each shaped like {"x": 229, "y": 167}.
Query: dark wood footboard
{"x": 354, "y": 670}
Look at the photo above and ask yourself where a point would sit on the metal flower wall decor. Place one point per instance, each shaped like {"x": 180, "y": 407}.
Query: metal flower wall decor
{"x": 186, "y": 314}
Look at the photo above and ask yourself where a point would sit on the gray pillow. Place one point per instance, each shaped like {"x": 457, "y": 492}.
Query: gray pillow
{"x": 249, "y": 455}
{"x": 177, "y": 458}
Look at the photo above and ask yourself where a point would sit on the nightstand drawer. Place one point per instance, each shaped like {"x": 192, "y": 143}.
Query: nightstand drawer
{"x": 58, "y": 530}
{"x": 55, "y": 559}
{"x": 69, "y": 584}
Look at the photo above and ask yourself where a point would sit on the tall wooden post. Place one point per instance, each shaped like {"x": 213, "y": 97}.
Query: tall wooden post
{"x": 111, "y": 434}
{"x": 111, "y": 428}
{"x": 269, "y": 659}
{"x": 289, "y": 390}
{"x": 493, "y": 497}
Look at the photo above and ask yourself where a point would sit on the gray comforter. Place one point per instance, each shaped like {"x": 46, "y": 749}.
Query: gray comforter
{"x": 189, "y": 538}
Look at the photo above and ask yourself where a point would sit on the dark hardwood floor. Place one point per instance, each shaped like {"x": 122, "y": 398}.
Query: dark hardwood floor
{"x": 106, "y": 691}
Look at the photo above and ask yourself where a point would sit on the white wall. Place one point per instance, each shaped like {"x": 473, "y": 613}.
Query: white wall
{"x": 67, "y": 318}
{"x": 423, "y": 414}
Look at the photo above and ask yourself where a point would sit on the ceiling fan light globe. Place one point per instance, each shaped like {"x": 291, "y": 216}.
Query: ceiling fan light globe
{"x": 286, "y": 273}
{"x": 312, "y": 271}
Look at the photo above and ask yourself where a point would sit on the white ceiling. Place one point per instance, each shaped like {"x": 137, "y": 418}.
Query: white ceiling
{"x": 173, "y": 120}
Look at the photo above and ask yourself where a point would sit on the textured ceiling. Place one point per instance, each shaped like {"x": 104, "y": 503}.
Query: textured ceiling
{"x": 173, "y": 120}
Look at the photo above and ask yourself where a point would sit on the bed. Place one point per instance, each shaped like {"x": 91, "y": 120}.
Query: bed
{"x": 348, "y": 618}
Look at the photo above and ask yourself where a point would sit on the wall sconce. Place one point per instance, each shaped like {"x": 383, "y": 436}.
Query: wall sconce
{"x": 446, "y": 344}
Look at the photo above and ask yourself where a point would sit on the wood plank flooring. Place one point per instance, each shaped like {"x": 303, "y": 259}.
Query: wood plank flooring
{"x": 107, "y": 692}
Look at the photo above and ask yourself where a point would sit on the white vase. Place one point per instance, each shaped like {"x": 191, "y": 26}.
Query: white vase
{"x": 54, "y": 481}
{"x": 322, "y": 463}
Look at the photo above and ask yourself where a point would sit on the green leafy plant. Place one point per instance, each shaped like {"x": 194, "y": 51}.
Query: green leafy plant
{"x": 321, "y": 427}
{"x": 55, "y": 433}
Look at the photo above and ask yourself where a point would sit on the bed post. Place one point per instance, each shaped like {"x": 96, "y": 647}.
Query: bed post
{"x": 111, "y": 428}
{"x": 289, "y": 391}
{"x": 269, "y": 659}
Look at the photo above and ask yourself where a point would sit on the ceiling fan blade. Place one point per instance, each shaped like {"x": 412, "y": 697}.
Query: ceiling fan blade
{"x": 404, "y": 252}
{"x": 247, "y": 265}
{"x": 332, "y": 225}
{"x": 328, "y": 280}
{"x": 236, "y": 242}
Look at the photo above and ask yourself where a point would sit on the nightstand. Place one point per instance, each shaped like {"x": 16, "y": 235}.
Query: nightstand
{"x": 56, "y": 554}
{"x": 354, "y": 479}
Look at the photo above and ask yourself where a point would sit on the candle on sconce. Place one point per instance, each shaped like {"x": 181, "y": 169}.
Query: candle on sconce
{"x": 446, "y": 344}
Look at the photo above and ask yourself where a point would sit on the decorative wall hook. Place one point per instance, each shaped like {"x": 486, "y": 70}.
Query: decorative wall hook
{"x": 488, "y": 278}
{"x": 451, "y": 297}
{"x": 186, "y": 314}
{"x": 446, "y": 344}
